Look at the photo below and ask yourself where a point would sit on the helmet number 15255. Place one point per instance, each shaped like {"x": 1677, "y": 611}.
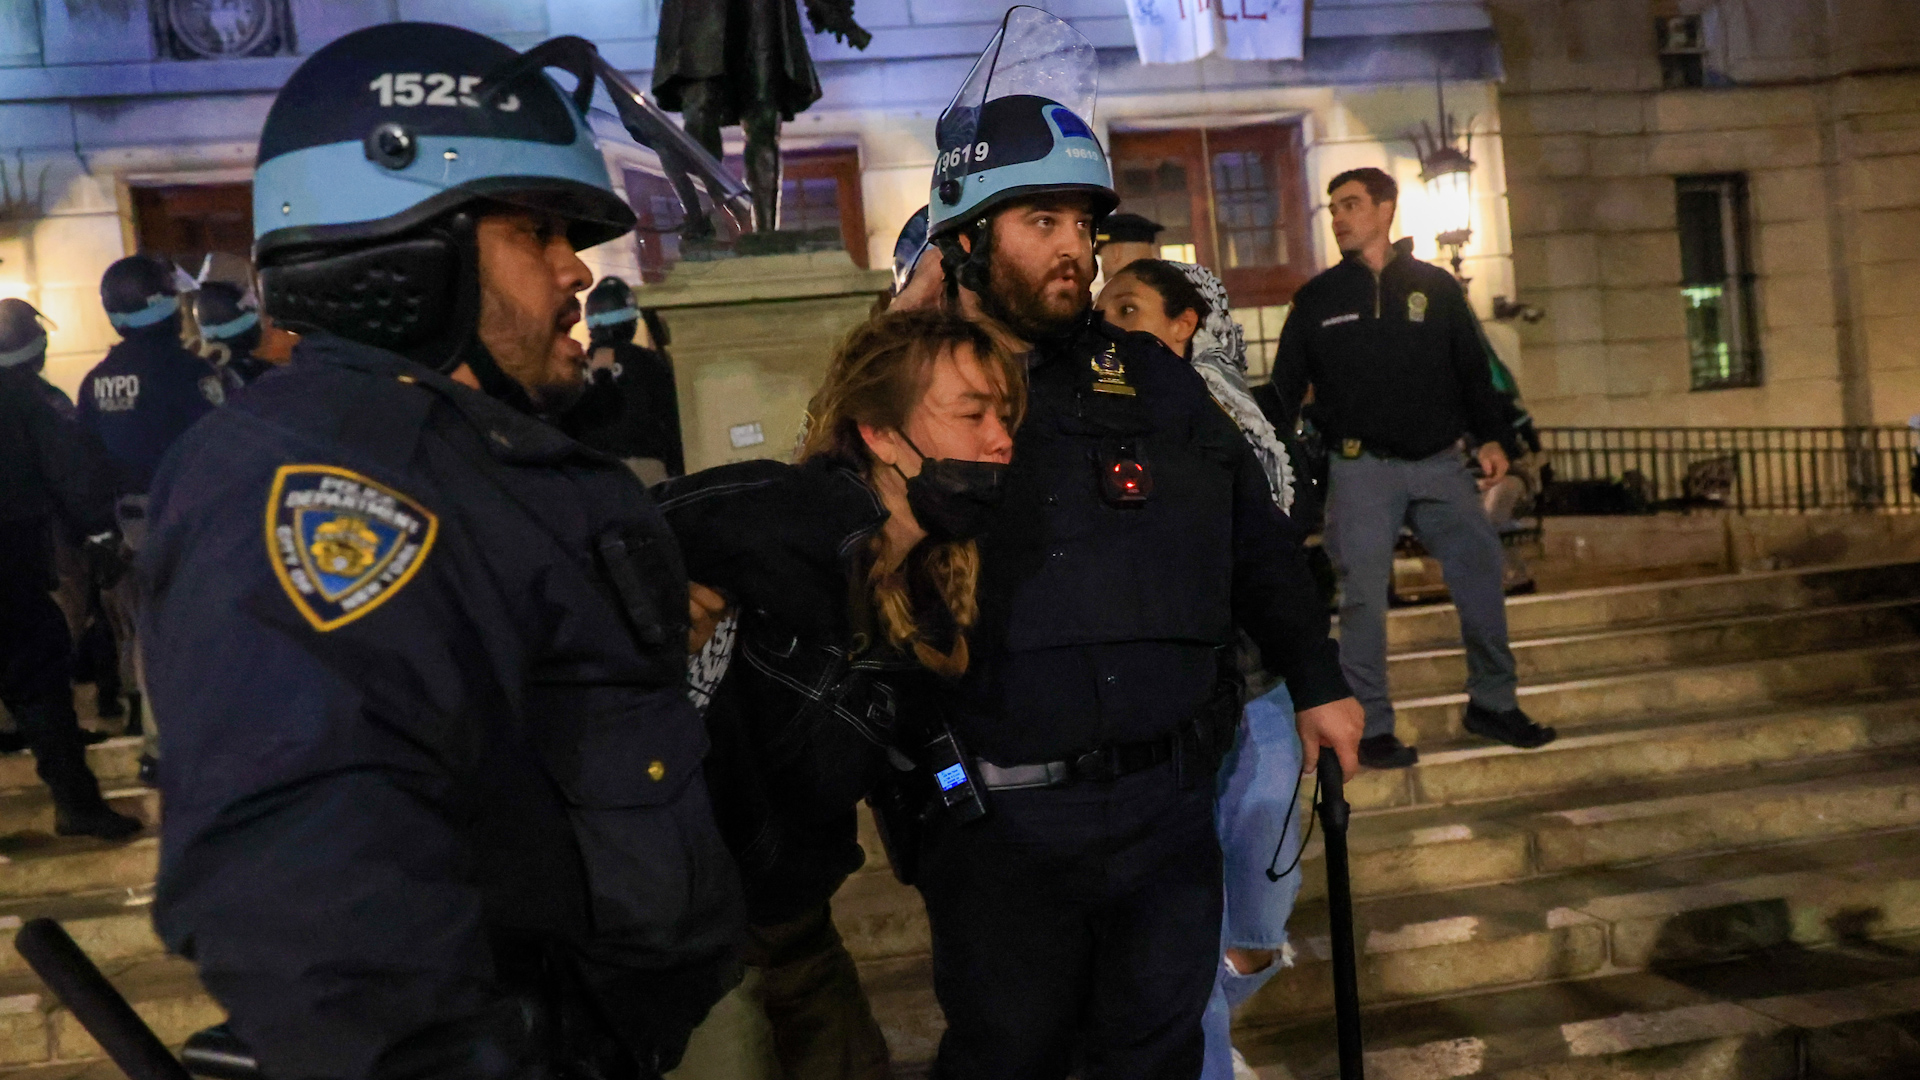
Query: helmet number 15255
{"x": 410, "y": 88}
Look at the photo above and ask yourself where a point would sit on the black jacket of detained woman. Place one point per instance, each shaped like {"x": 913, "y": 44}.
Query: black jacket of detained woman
{"x": 802, "y": 718}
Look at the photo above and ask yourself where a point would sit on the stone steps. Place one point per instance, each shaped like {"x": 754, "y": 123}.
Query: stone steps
{"x": 1649, "y": 604}
{"x": 1737, "y": 781}
{"x": 116, "y": 762}
{"x": 1602, "y": 755}
{"x": 1758, "y": 683}
{"x": 1713, "y": 640}
{"x": 1526, "y": 802}
{"x": 1606, "y": 921}
{"x": 1838, "y": 1012}
{"x": 35, "y": 1028}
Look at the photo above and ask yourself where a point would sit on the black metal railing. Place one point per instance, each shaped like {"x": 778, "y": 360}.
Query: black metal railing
{"x": 1790, "y": 470}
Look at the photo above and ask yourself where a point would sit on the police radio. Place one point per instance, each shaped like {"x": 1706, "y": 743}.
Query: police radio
{"x": 960, "y": 793}
{"x": 1125, "y": 480}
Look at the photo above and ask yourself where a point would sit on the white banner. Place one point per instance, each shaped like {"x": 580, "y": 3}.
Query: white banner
{"x": 1174, "y": 31}
{"x": 1263, "y": 29}
{"x": 1177, "y": 31}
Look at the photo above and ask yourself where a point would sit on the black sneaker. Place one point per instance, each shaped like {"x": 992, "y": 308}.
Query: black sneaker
{"x": 101, "y": 821}
{"x": 1512, "y": 727}
{"x": 1386, "y": 752}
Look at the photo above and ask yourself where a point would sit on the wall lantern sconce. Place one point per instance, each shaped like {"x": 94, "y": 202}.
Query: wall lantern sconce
{"x": 1446, "y": 168}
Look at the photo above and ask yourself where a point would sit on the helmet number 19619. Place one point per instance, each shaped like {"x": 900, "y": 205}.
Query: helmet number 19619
{"x": 963, "y": 155}
{"x": 410, "y": 88}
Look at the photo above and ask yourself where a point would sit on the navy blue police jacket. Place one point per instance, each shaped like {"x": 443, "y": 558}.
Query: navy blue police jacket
{"x": 1397, "y": 360}
{"x": 422, "y": 659}
{"x": 147, "y": 391}
{"x": 1103, "y": 621}
{"x": 49, "y": 466}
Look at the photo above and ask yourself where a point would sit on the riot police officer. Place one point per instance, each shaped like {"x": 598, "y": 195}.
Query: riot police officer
{"x": 433, "y": 789}
{"x": 149, "y": 388}
{"x": 50, "y": 471}
{"x": 229, "y": 318}
{"x": 632, "y": 409}
{"x": 1080, "y": 916}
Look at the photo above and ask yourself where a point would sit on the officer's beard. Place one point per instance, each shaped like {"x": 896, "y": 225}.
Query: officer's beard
{"x": 533, "y": 351}
{"x": 1026, "y": 305}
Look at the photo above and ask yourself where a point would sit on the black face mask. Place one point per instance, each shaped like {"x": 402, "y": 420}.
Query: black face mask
{"x": 954, "y": 500}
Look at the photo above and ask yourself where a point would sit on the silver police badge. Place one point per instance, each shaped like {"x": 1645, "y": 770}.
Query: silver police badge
{"x": 342, "y": 544}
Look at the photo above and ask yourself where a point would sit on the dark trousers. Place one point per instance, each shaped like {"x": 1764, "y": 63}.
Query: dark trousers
{"x": 823, "y": 1026}
{"x": 1077, "y": 925}
{"x": 36, "y": 665}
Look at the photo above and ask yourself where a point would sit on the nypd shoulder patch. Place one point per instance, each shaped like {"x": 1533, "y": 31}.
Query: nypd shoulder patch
{"x": 342, "y": 544}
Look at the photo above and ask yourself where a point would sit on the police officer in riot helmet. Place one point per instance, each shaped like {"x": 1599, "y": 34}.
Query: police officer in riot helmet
{"x": 1080, "y": 914}
{"x": 230, "y": 319}
{"x": 631, "y": 409}
{"x": 433, "y": 788}
{"x": 50, "y": 471}
{"x": 150, "y": 388}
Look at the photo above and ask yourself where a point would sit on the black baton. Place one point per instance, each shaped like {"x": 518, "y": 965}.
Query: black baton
{"x": 95, "y": 1003}
{"x": 1346, "y": 976}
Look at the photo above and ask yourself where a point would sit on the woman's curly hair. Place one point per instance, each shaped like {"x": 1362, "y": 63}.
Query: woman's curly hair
{"x": 878, "y": 374}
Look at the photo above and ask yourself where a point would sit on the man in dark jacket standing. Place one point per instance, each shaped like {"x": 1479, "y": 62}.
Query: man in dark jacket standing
{"x": 48, "y": 470}
{"x": 1399, "y": 374}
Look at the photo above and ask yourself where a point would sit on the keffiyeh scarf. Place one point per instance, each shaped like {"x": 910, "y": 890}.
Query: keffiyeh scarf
{"x": 1220, "y": 356}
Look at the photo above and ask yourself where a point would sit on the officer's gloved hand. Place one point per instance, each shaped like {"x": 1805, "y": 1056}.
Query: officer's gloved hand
{"x": 106, "y": 558}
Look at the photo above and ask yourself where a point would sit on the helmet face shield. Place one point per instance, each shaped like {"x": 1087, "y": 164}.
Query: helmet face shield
{"x": 1021, "y": 123}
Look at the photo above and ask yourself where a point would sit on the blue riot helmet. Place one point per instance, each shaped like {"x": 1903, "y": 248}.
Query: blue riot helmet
{"x": 23, "y": 335}
{"x": 376, "y": 159}
{"x": 1018, "y": 127}
{"x": 908, "y": 249}
{"x": 228, "y": 316}
{"x": 141, "y": 292}
{"x": 612, "y": 316}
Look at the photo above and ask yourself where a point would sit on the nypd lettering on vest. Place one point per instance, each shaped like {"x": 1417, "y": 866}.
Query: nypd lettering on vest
{"x": 342, "y": 544}
{"x": 116, "y": 393}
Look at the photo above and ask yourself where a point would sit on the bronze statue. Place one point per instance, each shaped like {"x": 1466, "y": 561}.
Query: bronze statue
{"x": 724, "y": 62}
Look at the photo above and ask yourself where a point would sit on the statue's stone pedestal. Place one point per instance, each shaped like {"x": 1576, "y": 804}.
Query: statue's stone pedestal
{"x": 751, "y": 340}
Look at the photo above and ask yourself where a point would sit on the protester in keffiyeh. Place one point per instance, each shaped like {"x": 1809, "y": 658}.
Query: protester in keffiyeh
{"x": 1213, "y": 343}
{"x": 1185, "y": 306}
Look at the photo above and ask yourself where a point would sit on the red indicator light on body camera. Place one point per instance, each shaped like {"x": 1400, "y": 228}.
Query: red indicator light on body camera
{"x": 1125, "y": 481}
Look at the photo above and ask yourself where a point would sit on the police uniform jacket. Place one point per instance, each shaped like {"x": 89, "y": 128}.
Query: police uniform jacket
{"x": 49, "y": 466}
{"x": 807, "y": 706}
{"x": 146, "y": 392}
{"x": 429, "y": 757}
{"x": 646, "y": 423}
{"x": 1396, "y": 360}
{"x": 1103, "y": 622}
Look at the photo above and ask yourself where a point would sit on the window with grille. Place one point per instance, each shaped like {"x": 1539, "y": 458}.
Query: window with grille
{"x": 1716, "y": 281}
{"x": 1232, "y": 199}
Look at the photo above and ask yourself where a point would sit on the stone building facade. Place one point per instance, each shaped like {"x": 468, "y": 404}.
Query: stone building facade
{"x": 1808, "y": 112}
{"x": 136, "y": 125}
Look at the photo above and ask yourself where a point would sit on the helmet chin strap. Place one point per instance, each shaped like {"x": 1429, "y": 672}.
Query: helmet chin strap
{"x": 459, "y": 344}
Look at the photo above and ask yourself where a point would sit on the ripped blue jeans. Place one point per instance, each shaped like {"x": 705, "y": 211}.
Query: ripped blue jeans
{"x": 1251, "y": 816}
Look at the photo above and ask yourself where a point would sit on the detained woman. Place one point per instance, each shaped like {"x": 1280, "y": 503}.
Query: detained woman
{"x": 850, "y": 576}
{"x": 1185, "y": 306}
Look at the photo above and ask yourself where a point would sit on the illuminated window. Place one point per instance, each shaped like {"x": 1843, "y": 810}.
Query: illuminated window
{"x": 1716, "y": 282}
{"x": 1233, "y": 200}
{"x": 1261, "y": 328}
